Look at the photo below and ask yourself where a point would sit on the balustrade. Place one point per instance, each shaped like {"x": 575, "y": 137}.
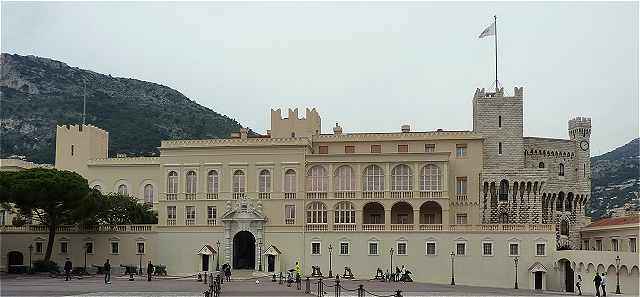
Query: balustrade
{"x": 344, "y": 227}
{"x": 372, "y": 227}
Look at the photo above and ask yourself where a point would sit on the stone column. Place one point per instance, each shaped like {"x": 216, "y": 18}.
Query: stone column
{"x": 227, "y": 242}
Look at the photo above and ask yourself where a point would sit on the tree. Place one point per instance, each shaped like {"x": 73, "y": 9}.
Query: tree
{"x": 49, "y": 196}
{"x": 115, "y": 209}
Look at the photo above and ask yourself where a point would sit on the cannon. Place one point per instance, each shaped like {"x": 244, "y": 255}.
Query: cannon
{"x": 316, "y": 271}
{"x": 347, "y": 273}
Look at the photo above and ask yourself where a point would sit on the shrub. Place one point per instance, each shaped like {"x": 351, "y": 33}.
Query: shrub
{"x": 45, "y": 266}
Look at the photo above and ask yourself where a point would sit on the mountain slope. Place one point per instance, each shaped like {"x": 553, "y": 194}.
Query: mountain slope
{"x": 38, "y": 93}
{"x": 615, "y": 179}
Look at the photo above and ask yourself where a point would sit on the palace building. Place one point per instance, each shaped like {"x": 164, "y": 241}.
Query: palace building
{"x": 424, "y": 199}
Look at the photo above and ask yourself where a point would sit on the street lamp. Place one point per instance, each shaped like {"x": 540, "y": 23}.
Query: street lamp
{"x": 618, "y": 275}
{"x": 391, "y": 263}
{"x": 453, "y": 280}
{"x": 86, "y": 251}
{"x": 30, "y": 251}
{"x": 218, "y": 260}
{"x": 515, "y": 261}
{"x": 330, "y": 272}
{"x": 260, "y": 254}
{"x": 140, "y": 265}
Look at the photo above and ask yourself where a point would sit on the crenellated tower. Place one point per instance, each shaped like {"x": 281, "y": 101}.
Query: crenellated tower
{"x": 76, "y": 144}
{"x": 293, "y": 126}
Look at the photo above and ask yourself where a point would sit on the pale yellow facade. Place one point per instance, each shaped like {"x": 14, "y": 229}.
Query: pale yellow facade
{"x": 287, "y": 196}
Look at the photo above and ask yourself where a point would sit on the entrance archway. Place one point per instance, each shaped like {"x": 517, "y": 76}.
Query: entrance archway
{"x": 15, "y": 261}
{"x": 568, "y": 275}
{"x": 244, "y": 250}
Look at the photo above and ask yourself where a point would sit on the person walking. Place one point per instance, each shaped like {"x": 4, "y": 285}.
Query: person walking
{"x": 227, "y": 273}
{"x": 107, "y": 272}
{"x": 604, "y": 284}
{"x": 149, "y": 271}
{"x": 597, "y": 281}
{"x": 67, "y": 269}
{"x": 397, "y": 275}
{"x": 579, "y": 285}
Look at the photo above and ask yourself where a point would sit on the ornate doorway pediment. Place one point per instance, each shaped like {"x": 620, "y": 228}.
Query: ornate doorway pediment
{"x": 242, "y": 215}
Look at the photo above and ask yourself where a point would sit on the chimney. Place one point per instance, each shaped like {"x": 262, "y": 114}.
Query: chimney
{"x": 405, "y": 128}
{"x": 243, "y": 133}
{"x": 337, "y": 130}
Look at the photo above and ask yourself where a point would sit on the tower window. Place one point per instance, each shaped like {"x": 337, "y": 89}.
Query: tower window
{"x": 561, "y": 172}
{"x": 541, "y": 165}
{"x": 499, "y": 121}
{"x": 499, "y": 148}
{"x": 72, "y": 149}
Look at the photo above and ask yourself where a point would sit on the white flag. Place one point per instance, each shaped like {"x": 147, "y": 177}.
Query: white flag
{"x": 489, "y": 31}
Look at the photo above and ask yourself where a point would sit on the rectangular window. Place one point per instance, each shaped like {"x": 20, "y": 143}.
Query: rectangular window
{"x": 171, "y": 212}
{"x": 499, "y": 148}
{"x": 461, "y": 248}
{"x": 212, "y": 212}
{"x": 373, "y": 248}
{"x": 349, "y": 149}
{"x": 487, "y": 248}
{"x": 614, "y": 245}
{"x": 403, "y": 148}
{"x": 290, "y": 214}
{"x": 140, "y": 247}
{"x": 315, "y": 248}
{"x": 514, "y": 249}
{"x": 461, "y": 185}
{"x": 461, "y": 219}
{"x": 115, "y": 247}
{"x": 585, "y": 244}
{"x": 376, "y": 148}
{"x": 429, "y": 148}
{"x": 89, "y": 247}
{"x": 64, "y": 247}
{"x": 598, "y": 245}
{"x": 3, "y": 215}
{"x": 38, "y": 247}
{"x": 461, "y": 150}
{"x": 541, "y": 249}
{"x": 402, "y": 248}
{"x": 431, "y": 248}
{"x": 344, "y": 248}
{"x": 190, "y": 212}
{"x": 323, "y": 149}
{"x": 633, "y": 245}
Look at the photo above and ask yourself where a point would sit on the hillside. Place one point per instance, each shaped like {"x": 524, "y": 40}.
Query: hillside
{"x": 614, "y": 179}
{"x": 38, "y": 93}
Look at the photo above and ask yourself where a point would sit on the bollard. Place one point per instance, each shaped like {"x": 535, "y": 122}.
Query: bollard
{"x": 298, "y": 282}
{"x": 205, "y": 277}
{"x": 360, "y": 291}
{"x": 307, "y": 289}
{"x": 280, "y": 280}
{"x": 337, "y": 285}
{"x": 221, "y": 280}
{"x": 320, "y": 293}
{"x": 274, "y": 278}
{"x": 398, "y": 293}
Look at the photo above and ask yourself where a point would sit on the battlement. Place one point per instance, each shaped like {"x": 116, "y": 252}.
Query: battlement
{"x": 580, "y": 122}
{"x": 482, "y": 93}
{"x": 293, "y": 125}
{"x": 76, "y": 144}
{"x": 79, "y": 129}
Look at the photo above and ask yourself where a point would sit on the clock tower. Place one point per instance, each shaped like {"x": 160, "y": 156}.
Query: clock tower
{"x": 580, "y": 134}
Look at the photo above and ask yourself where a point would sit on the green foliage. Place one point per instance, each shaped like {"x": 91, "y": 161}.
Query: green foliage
{"x": 115, "y": 209}
{"x": 18, "y": 221}
{"x": 45, "y": 266}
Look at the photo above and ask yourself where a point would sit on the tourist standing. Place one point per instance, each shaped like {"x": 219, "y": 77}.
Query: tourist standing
{"x": 227, "y": 273}
{"x": 597, "y": 281}
{"x": 604, "y": 284}
{"x": 298, "y": 269}
{"x": 67, "y": 269}
{"x": 579, "y": 285}
{"x": 107, "y": 272}
{"x": 149, "y": 271}
{"x": 397, "y": 275}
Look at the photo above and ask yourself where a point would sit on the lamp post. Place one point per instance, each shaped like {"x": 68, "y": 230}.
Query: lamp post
{"x": 391, "y": 262}
{"x": 260, "y": 254}
{"x": 140, "y": 265}
{"x": 30, "y": 251}
{"x": 86, "y": 251}
{"x": 453, "y": 280}
{"x": 618, "y": 275}
{"x": 515, "y": 261}
{"x": 330, "y": 254}
{"x": 218, "y": 258}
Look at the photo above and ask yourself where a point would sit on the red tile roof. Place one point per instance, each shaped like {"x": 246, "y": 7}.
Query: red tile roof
{"x": 615, "y": 221}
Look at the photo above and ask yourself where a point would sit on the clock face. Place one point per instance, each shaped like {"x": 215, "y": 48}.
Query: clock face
{"x": 584, "y": 145}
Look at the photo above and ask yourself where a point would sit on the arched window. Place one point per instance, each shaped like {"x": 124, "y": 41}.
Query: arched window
{"x": 239, "y": 182}
{"x": 317, "y": 179}
{"x": 148, "y": 193}
{"x": 503, "y": 218}
{"x": 561, "y": 172}
{"x": 345, "y": 213}
{"x": 122, "y": 190}
{"x": 541, "y": 165}
{"x": 560, "y": 201}
{"x": 290, "y": 181}
{"x": 504, "y": 190}
{"x": 264, "y": 181}
{"x": 316, "y": 213}
{"x": 344, "y": 181}
{"x": 191, "y": 182}
{"x": 564, "y": 227}
{"x": 373, "y": 179}
{"x": 172, "y": 182}
{"x": 401, "y": 178}
{"x": 212, "y": 182}
{"x": 430, "y": 179}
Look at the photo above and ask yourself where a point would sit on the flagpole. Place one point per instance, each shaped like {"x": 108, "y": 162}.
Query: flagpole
{"x": 495, "y": 24}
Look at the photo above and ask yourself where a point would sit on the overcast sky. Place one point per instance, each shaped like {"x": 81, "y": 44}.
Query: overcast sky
{"x": 369, "y": 66}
